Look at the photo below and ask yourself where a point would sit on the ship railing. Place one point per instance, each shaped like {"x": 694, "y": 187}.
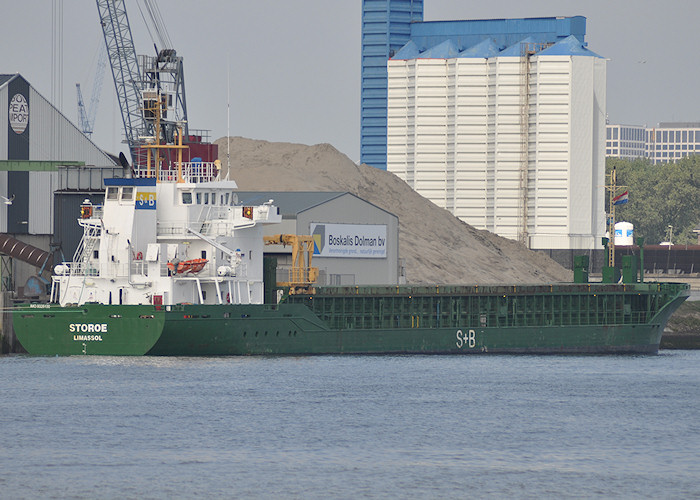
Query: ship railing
{"x": 192, "y": 172}
{"x": 79, "y": 268}
{"x": 210, "y": 212}
{"x": 216, "y": 224}
{"x": 135, "y": 268}
{"x": 171, "y": 228}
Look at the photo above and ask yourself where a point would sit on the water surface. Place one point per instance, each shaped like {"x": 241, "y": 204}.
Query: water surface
{"x": 349, "y": 427}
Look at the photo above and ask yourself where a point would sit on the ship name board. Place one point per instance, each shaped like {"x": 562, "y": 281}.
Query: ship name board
{"x": 88, "y": 327}
{"x": 467, "y": 339}
{"x": 92, "y": 328}
{"x": 88, "y": 338}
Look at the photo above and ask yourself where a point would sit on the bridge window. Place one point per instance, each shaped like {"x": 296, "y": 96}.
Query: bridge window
{"x": 112, "y": 193}
{"x": 127, "y": 193}
{"x": 206, "y": 198}
{"x": 199, "y": 198}
{"x": 187, "y": 198}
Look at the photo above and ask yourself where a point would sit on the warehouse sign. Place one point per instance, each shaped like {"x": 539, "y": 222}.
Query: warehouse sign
{"x": 18, "y": 113}
{"x": 349, "y": 240}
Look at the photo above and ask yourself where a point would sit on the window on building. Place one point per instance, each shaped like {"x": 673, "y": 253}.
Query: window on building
{"x": 684, "y": 137}
{"x": 608, "y": 133}
{"x": 614, "y": 133}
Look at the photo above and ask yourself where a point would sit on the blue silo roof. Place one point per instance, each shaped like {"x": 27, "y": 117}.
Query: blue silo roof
{"x": 504, "y": 32}
{"x": 408, "y": 51}
{"x": 515, "y": 49}
{"x": 486, "y": 48}
{"x": 569, "y": 46}
{"x": 494, "y": 38}
{"x": 445, "y": 50}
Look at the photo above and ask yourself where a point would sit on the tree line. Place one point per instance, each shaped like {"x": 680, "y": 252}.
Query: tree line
{"x": 661, "y": 195}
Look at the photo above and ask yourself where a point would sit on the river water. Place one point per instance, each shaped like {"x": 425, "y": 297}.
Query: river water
{"x": 349, "y": 427}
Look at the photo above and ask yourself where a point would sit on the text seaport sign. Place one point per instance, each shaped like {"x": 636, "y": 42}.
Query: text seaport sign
{"x": 349, "y": 240}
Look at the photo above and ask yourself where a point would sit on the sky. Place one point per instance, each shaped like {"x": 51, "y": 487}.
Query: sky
{"x": 290, "y": 71}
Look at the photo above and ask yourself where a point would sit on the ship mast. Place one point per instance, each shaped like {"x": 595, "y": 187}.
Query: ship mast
{"x": 612, "y": 188}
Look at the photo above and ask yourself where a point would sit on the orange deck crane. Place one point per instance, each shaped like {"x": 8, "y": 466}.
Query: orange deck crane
{"x": 301, "y": 275}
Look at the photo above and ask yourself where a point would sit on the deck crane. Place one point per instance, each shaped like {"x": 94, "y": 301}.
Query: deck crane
{"x": 138, "y": 79}
{"x": 302, "y": 275}
{"x": 86, "y": 117}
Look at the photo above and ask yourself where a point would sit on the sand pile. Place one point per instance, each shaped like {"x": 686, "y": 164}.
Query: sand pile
{"x": 436, "y": 246}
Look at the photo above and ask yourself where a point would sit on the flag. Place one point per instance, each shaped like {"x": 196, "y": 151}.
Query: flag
{"x": 621, "y": 199}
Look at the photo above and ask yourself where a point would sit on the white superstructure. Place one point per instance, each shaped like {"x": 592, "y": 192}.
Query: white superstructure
{"x": 160, "y": 241}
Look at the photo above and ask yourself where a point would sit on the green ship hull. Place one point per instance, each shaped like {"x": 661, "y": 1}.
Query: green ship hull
{"x": 45, "y": 329}
{"x": 551, "y": 319}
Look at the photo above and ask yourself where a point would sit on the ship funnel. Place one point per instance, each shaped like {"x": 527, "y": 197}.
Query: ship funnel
{"x": 125, "y": 166}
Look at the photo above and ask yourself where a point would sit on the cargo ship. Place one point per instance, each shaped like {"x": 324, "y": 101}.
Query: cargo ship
{"x": 171, "y": 265}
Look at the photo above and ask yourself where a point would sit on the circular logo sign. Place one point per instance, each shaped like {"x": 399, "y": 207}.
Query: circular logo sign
{"x": 19, "y": 113}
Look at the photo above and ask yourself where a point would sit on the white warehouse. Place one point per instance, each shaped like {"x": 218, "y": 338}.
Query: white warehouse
{"x": 511, "y": 140}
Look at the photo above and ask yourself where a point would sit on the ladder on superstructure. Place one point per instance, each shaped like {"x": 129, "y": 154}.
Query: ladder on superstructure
{"x": 78, "y": 266}
{"x": 91, "y": 236}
